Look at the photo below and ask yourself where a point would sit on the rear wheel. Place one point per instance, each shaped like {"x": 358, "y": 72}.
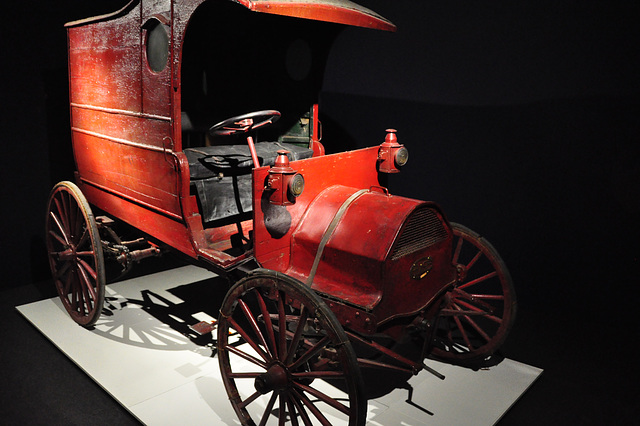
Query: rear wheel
{"x": 75, "y": 253}
{"x": 279, "y": 347}
{"x": 478, "y": 313}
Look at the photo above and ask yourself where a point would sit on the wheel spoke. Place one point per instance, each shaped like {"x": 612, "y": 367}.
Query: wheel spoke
{"x": 69, "y": 206}
{"x": 86, "y": 253}
{"x": 67, "y": 282}
{"x": 87, "y": 282}
{"x": 449, "y": 331}
{"x": 498, "y": 297}
{"x": 323, "y": 397}
{"x": 474, "y": 260}
{"x": 63, "y": 216}
{"x": 478, "y": 280}
{"x": 267, "y": 320}
{"x": 318, "y": 374}
{"x": 297, "y": 335}
{"x": 292, "y": 410}
{"x": 86, "y": 268}
{"x": 456, "y": 253}
{"x": 267, "y": 411}
{"x": 256, "y": 329}
{"x": 86, "y": 287}
{"x": 58, "y": 238}
{"x": 476, "y": 309}
{"x": 459, "y": 313}
{"x": 481, "y": 305}
{"x": 246, "y": 356}
{"x": 462, "y": 331}
{"x": 480, "y": 331}
{"x": 282, "y": 325}
{"x": 310, "y": 353}
{"x": 77, "y": 293}
{"x": 303, "y": 413}
{"x": 282, "y": 418}
{"x": 84, "y": 238}
{"x": 77, "y": 220}
{"x": 249, "y": 340}
{"x": 246, "y": 402}
{"x": 314, "y": 410}
{"x": 249, "y": 375}
{"x": 62, "y": 230}
{"x": 60, "y": 272}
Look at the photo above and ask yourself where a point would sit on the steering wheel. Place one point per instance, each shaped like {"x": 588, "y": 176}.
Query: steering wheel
{"x": 244, "y": 123}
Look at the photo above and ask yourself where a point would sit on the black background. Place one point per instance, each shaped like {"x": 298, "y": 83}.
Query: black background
{"x": 522, "y": 122}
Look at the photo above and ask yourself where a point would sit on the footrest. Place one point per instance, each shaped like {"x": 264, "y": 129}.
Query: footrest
{"x": 203, "y": 327}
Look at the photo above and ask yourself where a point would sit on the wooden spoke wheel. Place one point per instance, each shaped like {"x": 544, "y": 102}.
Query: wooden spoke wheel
{"x": 281, "y": 349}
{"x": 479, "y": 311}
{"x": 75, "y": 253}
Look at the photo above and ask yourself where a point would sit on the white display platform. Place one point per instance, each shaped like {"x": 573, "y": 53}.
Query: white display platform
{"x": 164, "y": 378}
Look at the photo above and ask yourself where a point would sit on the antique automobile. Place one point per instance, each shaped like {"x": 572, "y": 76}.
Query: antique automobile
{"x": 196, "y": 123}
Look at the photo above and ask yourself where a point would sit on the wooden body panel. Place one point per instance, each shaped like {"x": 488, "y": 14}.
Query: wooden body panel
{"x": 161, "y": 227}
{"x": 122, "y": 131}
{"x": 104, "y": 63}
{"x": 140, "y": 174}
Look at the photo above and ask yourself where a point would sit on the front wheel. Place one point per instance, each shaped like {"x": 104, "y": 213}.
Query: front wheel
{"x": 479, "y": 311}
{"x": 280, "y": 348}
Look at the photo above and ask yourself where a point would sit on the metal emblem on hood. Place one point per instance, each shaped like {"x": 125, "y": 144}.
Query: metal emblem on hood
{"x": 421, "y": 268}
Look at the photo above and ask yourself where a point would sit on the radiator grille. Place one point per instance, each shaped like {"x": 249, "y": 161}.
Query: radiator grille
{"x": 423, "y": 229}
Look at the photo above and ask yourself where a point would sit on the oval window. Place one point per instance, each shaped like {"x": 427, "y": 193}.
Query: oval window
{"x": 157, "y": 45}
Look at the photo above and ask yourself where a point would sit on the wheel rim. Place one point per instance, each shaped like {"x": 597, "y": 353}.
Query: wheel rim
{"x": 478, "y": 313}
{"x": 276, "y": 377}
{"x": 75, "y": 254}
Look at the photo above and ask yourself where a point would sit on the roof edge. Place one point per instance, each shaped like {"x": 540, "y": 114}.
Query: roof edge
{"x": 337, "y": 11}
{"x": 107, "y": 16}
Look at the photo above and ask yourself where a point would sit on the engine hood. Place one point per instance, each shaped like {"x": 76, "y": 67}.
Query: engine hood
{"x": 358, "y": 247}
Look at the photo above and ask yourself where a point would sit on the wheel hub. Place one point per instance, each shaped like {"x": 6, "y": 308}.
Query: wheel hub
{"x": 461, "y": 271}
{"x": 275, "y": 378}
{"x": 68, "y": 254}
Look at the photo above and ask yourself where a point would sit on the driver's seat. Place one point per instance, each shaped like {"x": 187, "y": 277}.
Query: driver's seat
{"x": 209, "y": 161}
{"x": 221, "y": 175}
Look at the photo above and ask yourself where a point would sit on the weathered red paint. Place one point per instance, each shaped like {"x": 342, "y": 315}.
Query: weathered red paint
{"x": 126, "y": 119}
{"x": 383, "y": 264}
{"x": 126, "y": 123}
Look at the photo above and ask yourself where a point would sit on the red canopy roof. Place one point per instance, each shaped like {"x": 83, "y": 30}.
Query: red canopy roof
{"x": 338, "y": 11}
